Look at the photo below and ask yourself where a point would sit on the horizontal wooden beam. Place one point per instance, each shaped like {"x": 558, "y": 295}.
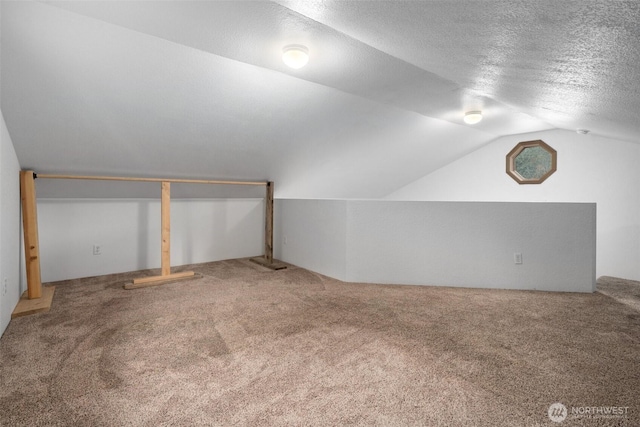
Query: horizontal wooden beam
{"x": 124, "y": 178}
{"x": 164, "y": 277}
{"x": 153, "y": 280}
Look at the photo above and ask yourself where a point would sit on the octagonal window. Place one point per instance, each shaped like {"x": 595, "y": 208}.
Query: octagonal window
{"x": 531, "y": 162}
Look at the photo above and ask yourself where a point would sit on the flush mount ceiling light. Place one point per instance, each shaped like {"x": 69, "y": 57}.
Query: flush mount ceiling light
{"x": 472, "y": 117}
{"x": 295, "y": 55}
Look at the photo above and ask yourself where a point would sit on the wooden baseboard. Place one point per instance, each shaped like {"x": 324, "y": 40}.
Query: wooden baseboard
{"x": 274, "y": 265}
{"x": 28, "y": 306}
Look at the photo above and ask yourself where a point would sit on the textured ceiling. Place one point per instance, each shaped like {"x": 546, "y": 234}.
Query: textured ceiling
{"x": 572, "y": 64}
{"x": 198, "y": 89}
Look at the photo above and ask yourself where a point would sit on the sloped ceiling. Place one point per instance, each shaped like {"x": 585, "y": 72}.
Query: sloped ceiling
{"x": 198, "y": 89}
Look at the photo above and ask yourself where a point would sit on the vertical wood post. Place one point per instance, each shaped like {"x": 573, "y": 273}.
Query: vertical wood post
{"x": 165, "y": 246}
{"x": 30, "y": 229}
{"x": 165, "y": 205}
{"x": 267, "y": 259}
{"x": 268, "y": 229}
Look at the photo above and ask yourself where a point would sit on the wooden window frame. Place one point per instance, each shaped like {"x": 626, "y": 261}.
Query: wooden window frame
{"x": 511, "y": 161}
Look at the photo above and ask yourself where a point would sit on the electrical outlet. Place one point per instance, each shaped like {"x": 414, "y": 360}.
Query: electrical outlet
{"x": 97, "y": 250}
{"x": 517, "y": 258}
{"x": 286, "y": 240}
{"x": 5, "y": 285}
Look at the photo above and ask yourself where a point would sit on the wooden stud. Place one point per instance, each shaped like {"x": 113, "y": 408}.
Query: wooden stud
{"x": 166, "y": 228}
{"x": 268, "y": 228}
{"x": 30, "y": 229}
{"x": 267, "y": 260}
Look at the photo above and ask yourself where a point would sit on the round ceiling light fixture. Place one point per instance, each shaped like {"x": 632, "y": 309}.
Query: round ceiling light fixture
{"x": 472, "y": 117}
{"x": 295, "y": 55}
{"x": 583, "y": 131}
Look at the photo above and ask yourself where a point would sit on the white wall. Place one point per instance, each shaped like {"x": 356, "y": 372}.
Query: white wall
{"x": 9, "y": 227}
{"x": 128, "y": 232}
{"x": 590, "y": 169}
{"x": 469, "y": 244}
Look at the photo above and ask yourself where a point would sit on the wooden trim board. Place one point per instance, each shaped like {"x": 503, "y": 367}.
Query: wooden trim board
{"x": 28, "y": 306}
{"x": 157, "y": 280}
{"x": 272, "y": 264}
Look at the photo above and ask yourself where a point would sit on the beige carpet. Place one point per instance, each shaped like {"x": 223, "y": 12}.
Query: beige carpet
{"x": 243, "y": 345}
{"x": 624, "y": 291}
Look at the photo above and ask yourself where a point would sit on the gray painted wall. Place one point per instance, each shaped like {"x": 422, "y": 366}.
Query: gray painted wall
{"x": 470, "y": 244}
{"x": 315, "y": 233}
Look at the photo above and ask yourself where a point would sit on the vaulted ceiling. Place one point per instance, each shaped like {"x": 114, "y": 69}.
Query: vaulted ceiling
{"x": 199, "y": 90}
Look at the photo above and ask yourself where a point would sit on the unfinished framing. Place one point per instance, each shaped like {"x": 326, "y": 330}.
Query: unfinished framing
{"x": 34, "y": 300}
{"x": 32, "y": 250}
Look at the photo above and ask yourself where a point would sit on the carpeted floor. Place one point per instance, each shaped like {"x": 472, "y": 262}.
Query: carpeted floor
{"x": 244, "y": 345}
